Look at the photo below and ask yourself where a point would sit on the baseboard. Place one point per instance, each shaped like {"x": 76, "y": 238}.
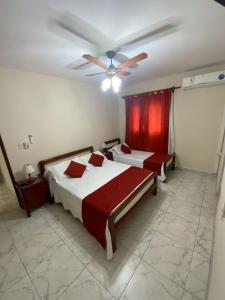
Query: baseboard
{"x": 196, "y": 170}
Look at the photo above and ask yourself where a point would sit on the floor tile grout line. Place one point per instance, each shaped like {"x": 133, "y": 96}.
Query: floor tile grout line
{"x": 141, "y": 259}
{"x": 194, "y": 247}
{"x": 27, "y": 274}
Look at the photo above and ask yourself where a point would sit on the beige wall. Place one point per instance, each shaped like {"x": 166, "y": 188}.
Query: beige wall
{"x": 62, "y": 115}
{"x": 198, "y": 116}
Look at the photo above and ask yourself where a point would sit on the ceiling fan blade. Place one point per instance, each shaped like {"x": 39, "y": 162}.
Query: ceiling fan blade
{"x": 120, "y": 58}
{"x": 154, "y": 31}
{"x": 133, "y": 60}
{"x": 82, "y": 66}
{"x": 123, "y": 73}
{"x": 95, "y": 61}
{"x": 222, "y": 2}
{"x": 76, "y": 26}
{"x": 96, "y": 74}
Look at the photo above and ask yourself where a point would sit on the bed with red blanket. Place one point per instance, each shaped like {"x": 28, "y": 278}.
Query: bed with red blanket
{"x": 103, "y": 197}
{"x": 157, "y": 162}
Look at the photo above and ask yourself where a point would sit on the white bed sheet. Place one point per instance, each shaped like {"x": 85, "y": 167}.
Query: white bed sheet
{"x": 78, "y": 188}
{"x": 71, "y": 191}
{"x": 136, "y": 158}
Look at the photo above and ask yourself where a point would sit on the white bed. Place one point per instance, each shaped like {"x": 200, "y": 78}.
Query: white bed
{"x": 71, "y": 191}
{"x": 136, "y": 158}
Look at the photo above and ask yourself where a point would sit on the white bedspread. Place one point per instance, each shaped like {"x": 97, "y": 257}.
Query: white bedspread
{"x": 136, "y": 158}
{"x": 79, "y": 188}
{"x": 71, "y": 191}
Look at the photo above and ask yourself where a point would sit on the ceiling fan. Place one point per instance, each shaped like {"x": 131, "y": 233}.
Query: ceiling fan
{"x": 112, "y": 80}
{"x": 98, "y": 43}
{"x": 222, "y": 2}
{"x": 111, "y": 70}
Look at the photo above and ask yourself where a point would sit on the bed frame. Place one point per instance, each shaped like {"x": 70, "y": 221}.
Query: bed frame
{"x": 117, "y": 141}
{"x": 112, "y": 224}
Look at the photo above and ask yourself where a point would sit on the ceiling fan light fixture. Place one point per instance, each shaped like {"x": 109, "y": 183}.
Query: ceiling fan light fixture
{"x": 106, "y": 84}
{"x": 116, "y": 83}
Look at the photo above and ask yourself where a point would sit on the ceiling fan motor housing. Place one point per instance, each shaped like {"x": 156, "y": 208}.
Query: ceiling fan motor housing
{"x": 110, "y": 54}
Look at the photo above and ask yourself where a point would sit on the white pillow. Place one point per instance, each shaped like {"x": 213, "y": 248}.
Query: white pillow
{"x": 117, "y": 149}
{"x": 58, "y": 170}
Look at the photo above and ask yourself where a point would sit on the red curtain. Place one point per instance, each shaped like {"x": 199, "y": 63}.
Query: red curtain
{"x": 147, "y": 121}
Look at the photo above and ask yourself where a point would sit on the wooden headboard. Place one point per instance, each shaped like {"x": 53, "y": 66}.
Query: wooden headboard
{"x": 114, "y": 142}
{"x": 45, "y": 162}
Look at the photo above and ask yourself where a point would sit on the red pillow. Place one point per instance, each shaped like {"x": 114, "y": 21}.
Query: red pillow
{"x": 75, "y": 169}
{"x": 125, "y": 149}
{"x": 96, "y": 160}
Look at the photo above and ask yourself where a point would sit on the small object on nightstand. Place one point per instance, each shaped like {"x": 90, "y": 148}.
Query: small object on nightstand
{"x": 28, "y": 170}
{"x": 33, "y": 194}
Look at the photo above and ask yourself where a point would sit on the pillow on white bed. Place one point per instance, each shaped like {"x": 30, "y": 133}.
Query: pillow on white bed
{"x": 117, "y": 149}
{"x": 58, "y": 169}
{"x": 85, "y": 158}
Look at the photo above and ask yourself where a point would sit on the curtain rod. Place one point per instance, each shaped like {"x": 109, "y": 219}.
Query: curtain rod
{"x": 173, "y": 88}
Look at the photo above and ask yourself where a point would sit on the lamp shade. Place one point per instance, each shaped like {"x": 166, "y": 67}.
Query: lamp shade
{"x": 28, "y": 169}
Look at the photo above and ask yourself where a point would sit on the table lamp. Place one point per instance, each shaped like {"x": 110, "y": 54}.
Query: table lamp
{"x": 28, "y": 170}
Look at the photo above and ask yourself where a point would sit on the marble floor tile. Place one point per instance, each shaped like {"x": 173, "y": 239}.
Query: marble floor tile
{"x": 56, "y": 273}
{"x": 179, "y": 230}
{"x": 207, "y": 221}
{"x": 37, "y": 248}
{"x": 198, "y": 276}
{"x": 136, "y": 239}
{"x": 115, "y": 274}
{"x": 188, "y": 296}
{"x": 153, "y": 249}
{"x": 204, "y": 241}
{"x": 22, "y": 231}
{"x": 6, "y": 243}
{"x": 11, "y": 269}
{"x": 22, "y": 290}
{"x": 84, "y": 246}
{"x": 189, "y": 215}
{"x": 86, "y": 287}
{"x": 169, "y": 258}
{"x": 150, "y": 219}
{"x": 148, "y": 284}
{"x": 3, "y": 227}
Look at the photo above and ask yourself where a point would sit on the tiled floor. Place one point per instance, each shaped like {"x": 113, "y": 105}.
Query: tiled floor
{"x": 163, "y": 250}
{"x": 7, "y": 199}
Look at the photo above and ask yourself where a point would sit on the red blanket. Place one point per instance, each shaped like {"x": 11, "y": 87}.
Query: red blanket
{"x": 97, "y": 206}
{"x": 155, "y": 161}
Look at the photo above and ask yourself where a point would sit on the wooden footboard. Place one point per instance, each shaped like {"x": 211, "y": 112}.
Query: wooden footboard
{"x": 113, "y": 225}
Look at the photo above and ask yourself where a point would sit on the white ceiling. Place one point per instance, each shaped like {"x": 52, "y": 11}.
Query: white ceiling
{"x": 31, "y": 40}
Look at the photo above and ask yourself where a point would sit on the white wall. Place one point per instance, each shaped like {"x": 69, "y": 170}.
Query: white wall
{"x": 216, "y": 283}
{"x": 198, "y": 116}
{"x": 62, "y": 115}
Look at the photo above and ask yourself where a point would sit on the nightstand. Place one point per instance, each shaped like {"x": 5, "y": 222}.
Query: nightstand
{"x": 108, "y": 154}
{"x": 33, "y": 194}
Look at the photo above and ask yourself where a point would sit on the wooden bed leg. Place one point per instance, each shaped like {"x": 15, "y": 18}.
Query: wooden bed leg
{"x": 173, "y": 163}
{"x": 112, "y": 232}
{"x": 155, "y": 188}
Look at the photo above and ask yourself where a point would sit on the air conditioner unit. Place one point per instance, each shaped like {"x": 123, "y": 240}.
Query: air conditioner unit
{"x": 204, "y": 80}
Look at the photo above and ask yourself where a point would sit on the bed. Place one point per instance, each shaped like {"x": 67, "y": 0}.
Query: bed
{"x": 160, "y": 163}
{"x": 103, "y": 197}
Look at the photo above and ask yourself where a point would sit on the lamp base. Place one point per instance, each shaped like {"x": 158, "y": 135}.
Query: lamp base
{"x": 30, "y": 179}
